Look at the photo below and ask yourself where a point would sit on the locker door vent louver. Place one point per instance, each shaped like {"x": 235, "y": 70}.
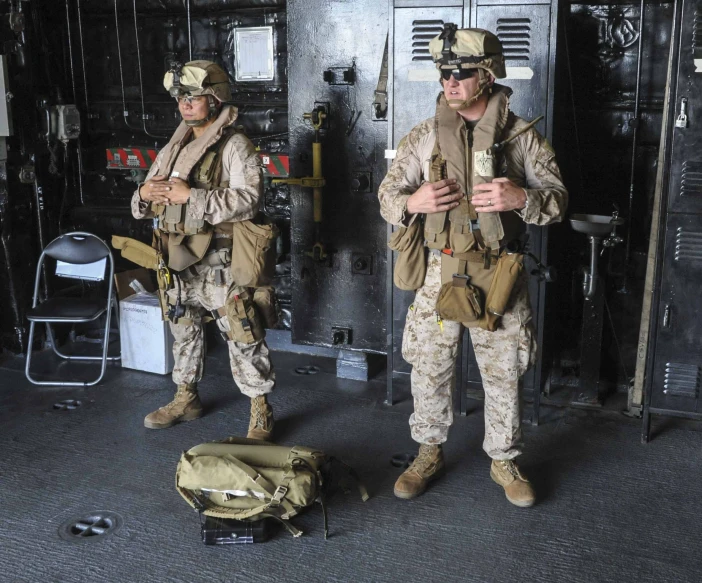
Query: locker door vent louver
{"x": 691, "y": 179}
{"x": 688, "y": 245}
{"x": 422, "y": 32}
{"x": 681, "y": 380}
{"x": 697, "y": 34}
{"x": 515, "y": 35}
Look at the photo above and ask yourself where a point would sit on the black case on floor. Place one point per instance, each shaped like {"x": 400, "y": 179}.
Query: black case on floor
{"x": 222, "y": 531}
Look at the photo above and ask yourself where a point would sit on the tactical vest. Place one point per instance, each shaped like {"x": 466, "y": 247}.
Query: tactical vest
{"x": 467, "y": 156}
{"x": 183, "y": 239}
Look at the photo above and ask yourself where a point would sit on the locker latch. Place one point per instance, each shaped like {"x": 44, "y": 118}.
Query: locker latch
{"x": 681, "y": 121}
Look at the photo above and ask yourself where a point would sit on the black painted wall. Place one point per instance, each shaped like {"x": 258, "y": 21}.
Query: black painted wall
{"x": 62, "y": 190}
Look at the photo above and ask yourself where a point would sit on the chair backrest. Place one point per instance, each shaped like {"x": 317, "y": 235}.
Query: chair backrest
{"x": 78, "y": 248}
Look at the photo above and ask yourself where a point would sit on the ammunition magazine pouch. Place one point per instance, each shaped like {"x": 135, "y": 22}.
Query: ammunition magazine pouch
{"x": 253, "y": 253}
{"x": 244, "y": 323}
{"x": 477, "y": 278}
{"x": 411, "y": 265}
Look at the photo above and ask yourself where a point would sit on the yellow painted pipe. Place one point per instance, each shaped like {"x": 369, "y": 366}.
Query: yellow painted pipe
{"x": 317, "y": 173}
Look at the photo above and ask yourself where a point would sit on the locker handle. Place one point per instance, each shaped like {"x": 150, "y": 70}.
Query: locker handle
{"x": 682, "y": 120}
{"x": 666, "y": 316}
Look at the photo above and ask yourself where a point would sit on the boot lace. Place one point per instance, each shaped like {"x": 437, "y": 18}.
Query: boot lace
{"x": 424, "y": 460}
{"x": 512, "y": 468}
{"x": 259, "y": 413}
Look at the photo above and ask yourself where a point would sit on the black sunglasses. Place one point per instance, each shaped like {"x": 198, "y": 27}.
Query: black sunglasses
{"x": 458, "y": 74}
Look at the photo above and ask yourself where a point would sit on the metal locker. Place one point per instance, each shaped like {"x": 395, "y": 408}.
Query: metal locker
{"x": 674, "y": 367}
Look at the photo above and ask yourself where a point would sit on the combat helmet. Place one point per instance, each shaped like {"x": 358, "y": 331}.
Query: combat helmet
{"x": 197, "y": 78}
{"x": 468, "y": 48}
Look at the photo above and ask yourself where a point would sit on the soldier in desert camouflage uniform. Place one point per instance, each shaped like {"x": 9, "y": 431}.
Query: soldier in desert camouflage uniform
{"x": 208, "y": 177}
{"x": 487, "y": 199}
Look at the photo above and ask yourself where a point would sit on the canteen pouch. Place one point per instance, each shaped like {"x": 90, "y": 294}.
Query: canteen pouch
{"x": 253, "y": 253}
{"x": 509, "y": 268}
{"x": 244, "y": 324}
{"x": 411, "y": 265}
{"x": 459, "y": 301}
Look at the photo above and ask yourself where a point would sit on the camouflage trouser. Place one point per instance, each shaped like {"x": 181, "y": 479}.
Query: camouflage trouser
{"x": 250, "y": 364}
{"x": 503, "y": 357}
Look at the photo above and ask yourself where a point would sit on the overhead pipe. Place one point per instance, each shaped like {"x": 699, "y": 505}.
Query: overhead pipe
{"x": 82, "y": 57}
{"x": 141, "y": 82}
{"x": 190, "y": 31}
{"x": 634, "y": 122}
{"x": 125, "y": 112}
{"x": 70, "y": 49}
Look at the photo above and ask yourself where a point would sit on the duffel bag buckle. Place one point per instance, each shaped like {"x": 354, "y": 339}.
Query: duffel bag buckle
{"x": 278, "y": 495}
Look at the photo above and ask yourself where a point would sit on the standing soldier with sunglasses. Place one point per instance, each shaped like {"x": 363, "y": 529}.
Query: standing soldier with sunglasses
{"x": 467, "y": 202}
{"x": 203, "y": 193}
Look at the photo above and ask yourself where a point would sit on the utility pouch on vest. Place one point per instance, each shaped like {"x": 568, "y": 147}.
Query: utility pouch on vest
{"x": 253, "y": 253}
{"x": 411, "y": 265}
{"x": 509, "y": 268}
{"x": 472, "y": 265}
{"x": 244, "y": 323}
{"x": 459, "y": 301}
{"x": 207, "y": 169}
{"x": 267, "y": 306}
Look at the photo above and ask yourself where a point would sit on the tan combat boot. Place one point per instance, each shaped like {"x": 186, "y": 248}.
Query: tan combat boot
{"x": 426, "y": 467}
{"x": 517, "y": 488}
{"x": 261, "y": 424}
{"x": 185, "y": 406}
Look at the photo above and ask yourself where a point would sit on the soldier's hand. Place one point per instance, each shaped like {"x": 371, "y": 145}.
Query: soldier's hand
{"x": 174, "y": 190}
{"x": 499, "y": 195}
{"x": 435, "y": 197}
{"x": 150, "y": 191}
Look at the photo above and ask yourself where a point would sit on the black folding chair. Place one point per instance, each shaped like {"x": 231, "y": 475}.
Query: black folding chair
{"x": 79, "y": 256}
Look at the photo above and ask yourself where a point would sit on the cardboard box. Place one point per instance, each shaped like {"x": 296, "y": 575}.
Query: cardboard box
{"x": 146, "y": 340}
{"x": 123, "y": 279}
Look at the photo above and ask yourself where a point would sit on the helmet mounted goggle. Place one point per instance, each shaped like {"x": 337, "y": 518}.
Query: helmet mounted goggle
{"x": 182, "y": 93}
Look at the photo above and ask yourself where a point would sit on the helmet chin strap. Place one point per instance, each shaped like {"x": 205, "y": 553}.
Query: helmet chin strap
{"x": 459, "y": 104}
{"x": 212, "y": 112}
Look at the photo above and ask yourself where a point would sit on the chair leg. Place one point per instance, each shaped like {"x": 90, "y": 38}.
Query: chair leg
{"x": 52, "y": 341}
{"x": 105, "y": 346}
{"x": 29, "y": 354}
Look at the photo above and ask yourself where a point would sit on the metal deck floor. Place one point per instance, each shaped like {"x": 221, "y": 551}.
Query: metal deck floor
{"x": 610, "y": 509}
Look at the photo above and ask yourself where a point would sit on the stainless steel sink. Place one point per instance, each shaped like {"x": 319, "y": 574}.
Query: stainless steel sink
{"x": 594, "y": 225}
